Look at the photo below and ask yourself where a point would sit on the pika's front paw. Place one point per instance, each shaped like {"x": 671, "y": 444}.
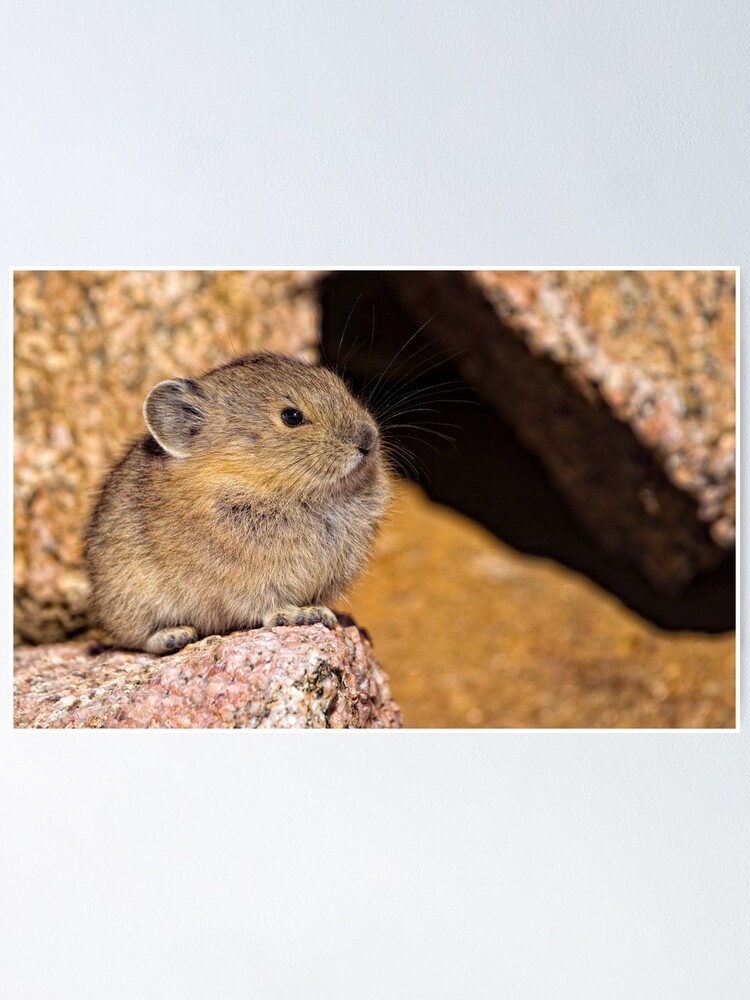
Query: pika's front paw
{"x": 169, "y": 640}
{"x": 307, "y": 615}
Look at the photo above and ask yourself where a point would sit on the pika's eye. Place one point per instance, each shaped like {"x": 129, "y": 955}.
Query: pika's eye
{"x": 292, "y": 417}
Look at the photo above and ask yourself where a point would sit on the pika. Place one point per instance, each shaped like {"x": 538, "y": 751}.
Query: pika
{"x": 252, "y": 500}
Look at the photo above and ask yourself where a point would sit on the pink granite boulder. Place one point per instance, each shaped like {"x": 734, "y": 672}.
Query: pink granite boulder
{"x": 280, "y": 678}
{"x": 623, "y": 383}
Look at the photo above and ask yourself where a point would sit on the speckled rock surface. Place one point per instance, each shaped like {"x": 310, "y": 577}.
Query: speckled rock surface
{"x": 484, "y": 637}
{"x": 282, "y": 678}
{"x": 623, "y": 383}
{"x": 88, "y": 347}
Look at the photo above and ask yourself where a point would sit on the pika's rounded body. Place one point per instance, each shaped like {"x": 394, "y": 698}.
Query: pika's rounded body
{"x": 253, "y": 500}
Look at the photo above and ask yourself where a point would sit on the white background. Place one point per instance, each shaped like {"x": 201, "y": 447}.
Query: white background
{"x": 525, "y": 865}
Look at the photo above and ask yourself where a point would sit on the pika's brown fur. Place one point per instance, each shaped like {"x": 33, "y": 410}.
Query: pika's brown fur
{"x": 228, "y": 515}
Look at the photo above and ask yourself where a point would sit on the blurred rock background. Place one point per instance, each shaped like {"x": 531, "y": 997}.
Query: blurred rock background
{"x": 622, "y": 382}
{"x": 565, "y": 560}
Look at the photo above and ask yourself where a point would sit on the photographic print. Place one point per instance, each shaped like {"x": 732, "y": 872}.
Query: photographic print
{"x": 428, "y": 499}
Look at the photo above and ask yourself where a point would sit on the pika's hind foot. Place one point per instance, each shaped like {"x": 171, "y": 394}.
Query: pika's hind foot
{"x": 169, "y": 640}
{"x": 307, "y": 615}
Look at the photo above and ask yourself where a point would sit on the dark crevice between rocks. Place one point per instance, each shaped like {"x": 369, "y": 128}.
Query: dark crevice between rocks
{"x": 487, "y": 474}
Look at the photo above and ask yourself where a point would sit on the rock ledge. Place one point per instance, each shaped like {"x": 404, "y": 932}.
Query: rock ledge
{"x": 305, "y": 677}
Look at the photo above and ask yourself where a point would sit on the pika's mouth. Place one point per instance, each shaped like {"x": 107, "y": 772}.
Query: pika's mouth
{"x": 354, "y": 463}
{"x": 357, "y": 466}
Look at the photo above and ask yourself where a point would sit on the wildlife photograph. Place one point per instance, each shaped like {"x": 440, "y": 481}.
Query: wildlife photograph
{"x": 375, "y": 499}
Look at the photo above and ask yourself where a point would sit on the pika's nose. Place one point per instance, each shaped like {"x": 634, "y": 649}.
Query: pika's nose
{"x": 366, "y": 438}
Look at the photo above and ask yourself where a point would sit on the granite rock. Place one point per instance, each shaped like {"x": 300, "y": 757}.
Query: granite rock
{"x": 622, "y": 381}
{"x": 88, "y": 347}
{"x": 305, "y": 677}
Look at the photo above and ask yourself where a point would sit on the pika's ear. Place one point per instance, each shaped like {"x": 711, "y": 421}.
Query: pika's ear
{"x": 174, "y": 413}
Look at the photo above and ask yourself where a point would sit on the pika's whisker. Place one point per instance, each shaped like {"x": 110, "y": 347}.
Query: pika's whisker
{"x": 404, "y": 362}
{"x": 426, "y": 444}
{"x": 423, "y": 429}
{"x": 407, "y": 458}
{"x": 441, "y": 393}
{"x": 403, "y": 347}
{"x": 346, "y": 324}
{"x": 403, "y": 384}
{"x": 425, "y": 424}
